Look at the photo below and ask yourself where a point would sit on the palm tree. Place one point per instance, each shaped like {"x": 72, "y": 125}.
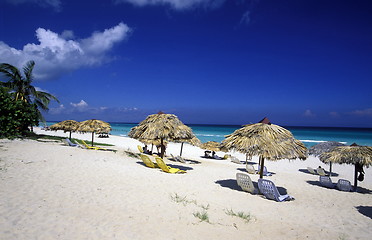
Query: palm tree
{"x": 21, "y": 89}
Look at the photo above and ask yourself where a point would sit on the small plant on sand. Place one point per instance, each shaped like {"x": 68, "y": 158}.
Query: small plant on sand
{"x": 179, "y": 199}
{"x": 242, "y": 215}
{"x": 203, "y": 216}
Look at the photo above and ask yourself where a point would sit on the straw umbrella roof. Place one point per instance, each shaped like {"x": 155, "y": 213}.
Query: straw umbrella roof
{"x": 322, "y": 147}
{"x": 66, "y": 126}
{"x": 266, "y": 140}
{"x": 163, "y": 127}
{"x": 94, "y": 126}
{"x": 211, "y": 145}
{"x": 269, "y": 141}
{"x": 349, "y": 155}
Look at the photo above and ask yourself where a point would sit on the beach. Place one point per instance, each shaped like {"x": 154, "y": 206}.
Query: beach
{"x": 52, "y": 191}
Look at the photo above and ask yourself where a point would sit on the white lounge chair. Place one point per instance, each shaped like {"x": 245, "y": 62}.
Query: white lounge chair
{"x": 71, "y": 143}
{"x": 321, "y": 172}
{"x": 326, "y": 181}
{"x": 235, "y": 160}
{"x": 265, "y": 172}
{"x": 245, "y": 182}
{"x": 344, "y": 185}
{"x": 269, "y": 190}
{"x": 250, "y": 169}
{"x": 312, "y": 170}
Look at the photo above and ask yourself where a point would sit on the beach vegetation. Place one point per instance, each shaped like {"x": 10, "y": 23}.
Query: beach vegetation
{"x": 16, "y": 116}
{"x": 203, "y": 216}
{"x": 20, "y": 88}
{"x": 179, "y": 199}
{"x": 245, "y": 216}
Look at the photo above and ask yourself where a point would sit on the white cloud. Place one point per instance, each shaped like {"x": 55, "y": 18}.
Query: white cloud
{"x": 334, "y": 114}
{"x": 176, "y": 4}
{"x": 54, "y": 55}
{"x": 364, "y": 112}
{"x": 57, "y": 110}
{"x": 56, "y": 4}
{"x": 246, "y": 18}
{"x": 81, "y": 105}
{"x": 309, "y": 113}
{"x": 67, "y": 34}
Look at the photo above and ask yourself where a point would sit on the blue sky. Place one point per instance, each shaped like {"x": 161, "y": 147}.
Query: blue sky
{"x": 300, "y": 63}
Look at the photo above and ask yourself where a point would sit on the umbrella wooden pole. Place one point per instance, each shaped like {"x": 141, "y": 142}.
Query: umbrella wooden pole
{"x": 92, "y": 138}
{"x": 330, "y": 169}
{"x": 355, "y": 178}
{"x": 261, "y": 166}
{"x": 162, "y": 152}
{"x": 181, "y": 149}
{"x": 70, "y": 134}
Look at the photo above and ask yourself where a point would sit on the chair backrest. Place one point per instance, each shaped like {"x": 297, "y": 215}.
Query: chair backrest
{"x": 180, "y": 159}
{"x": 235, "y": 160}
{"x": 264, "y": 170}
{"x": 245, "y": 182}
{"x": 268, "y": 189}
{"x": 250, "y": 169}
{"x": 311, "y": 170}
{"x": 226, "y": 156}
{"x": 326, "y": 181}
{"x": 140, "y": 149}
{"x": 147, "y": 161}
{"x": 162, "y": 164}
{"x": 85, "y": 144}
{"x": 321, "y": 172}
{"x": 344, "y": 185}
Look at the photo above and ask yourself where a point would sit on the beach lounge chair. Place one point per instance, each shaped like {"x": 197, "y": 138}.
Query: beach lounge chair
{"x": 140, "y": 149}
{"x": 321, "y": 172}
{"x": 245, "y": 182}
{"x": 250, "y": 169}
{"x": 269, "y": 190}
{"x": 147, "y": 161}
{"x": 326, "y": 181}
{"x": 312, "y": 170}
{"x": 265, "y": 172}
{"x": 71, "y": 144}
{"x": 86, "y": 146}
{"x": 344, "y": 185}
{"x": 166, "y": 168}
{"x": 226, "y": 156}
{"x": 235, "y": 160}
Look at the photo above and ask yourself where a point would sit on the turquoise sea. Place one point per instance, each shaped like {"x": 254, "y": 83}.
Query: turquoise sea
{"x": 308, "y": 135}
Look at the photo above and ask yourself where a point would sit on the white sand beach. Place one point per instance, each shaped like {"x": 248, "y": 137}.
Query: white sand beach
{"x": 53, "y": 191}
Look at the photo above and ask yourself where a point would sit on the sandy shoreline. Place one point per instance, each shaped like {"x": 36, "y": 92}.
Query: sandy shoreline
{"x": 52, "y": 191}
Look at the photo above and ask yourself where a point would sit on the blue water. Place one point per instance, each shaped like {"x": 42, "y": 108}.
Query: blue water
{"x": 308, "y": 135}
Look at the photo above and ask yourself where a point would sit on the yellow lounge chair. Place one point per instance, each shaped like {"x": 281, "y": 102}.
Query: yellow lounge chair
{"x": 92, "y": 148}
{"x": 166, "y": 168}
{"x": 140, "y": 148}
{"x": 147, "y": 161}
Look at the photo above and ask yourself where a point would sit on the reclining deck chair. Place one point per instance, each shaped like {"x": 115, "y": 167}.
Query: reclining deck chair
{"x": 235, "y": 160}
{"x": 147, "y": 161}
{"x": 326, "y": 181}
{"x": 265, "y": 172}
{"x": 245, "y": 182}
{"x": 312, "y": 171}
{"x": 140, "y": 149}
{"x": 250, "y": 169}
{"x": 166, "y": 168}
{"x": 321, "y": 172}
{"x": 344, "y": 185}
{"x": 71, "y": 144}
{"x": 85, "y": 145}
{"x": 269, "y": 190}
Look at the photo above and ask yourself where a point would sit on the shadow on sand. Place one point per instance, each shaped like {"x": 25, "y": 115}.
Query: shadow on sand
{"x": 361, "y": 190}
{"x": 365, "y": 210}
{"x": 306, "y": 171}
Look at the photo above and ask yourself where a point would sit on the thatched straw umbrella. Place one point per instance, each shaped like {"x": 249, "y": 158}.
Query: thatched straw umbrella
{"x": 268, "y": 141}
{"x": 211, "y": 145}
{"x": 66, "y": 126}
{"x": 94, "y": 126}
{"x": 322, "y": 147}
{"x": 163, "y": 127}
{"x": 358, "y": 155}
{"x": 193, "y": 141}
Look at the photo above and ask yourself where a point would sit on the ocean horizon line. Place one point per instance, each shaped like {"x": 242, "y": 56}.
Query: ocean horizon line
{"x": 239, "y": 126}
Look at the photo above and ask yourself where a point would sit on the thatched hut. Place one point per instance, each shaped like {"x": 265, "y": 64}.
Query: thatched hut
{"x": 94, "y": 126}
{"x": 66, "y": 126}
{"x": 323, "y": 147}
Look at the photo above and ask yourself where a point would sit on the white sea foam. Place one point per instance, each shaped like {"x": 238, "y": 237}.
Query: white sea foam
{"x": 317, "y": 141}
